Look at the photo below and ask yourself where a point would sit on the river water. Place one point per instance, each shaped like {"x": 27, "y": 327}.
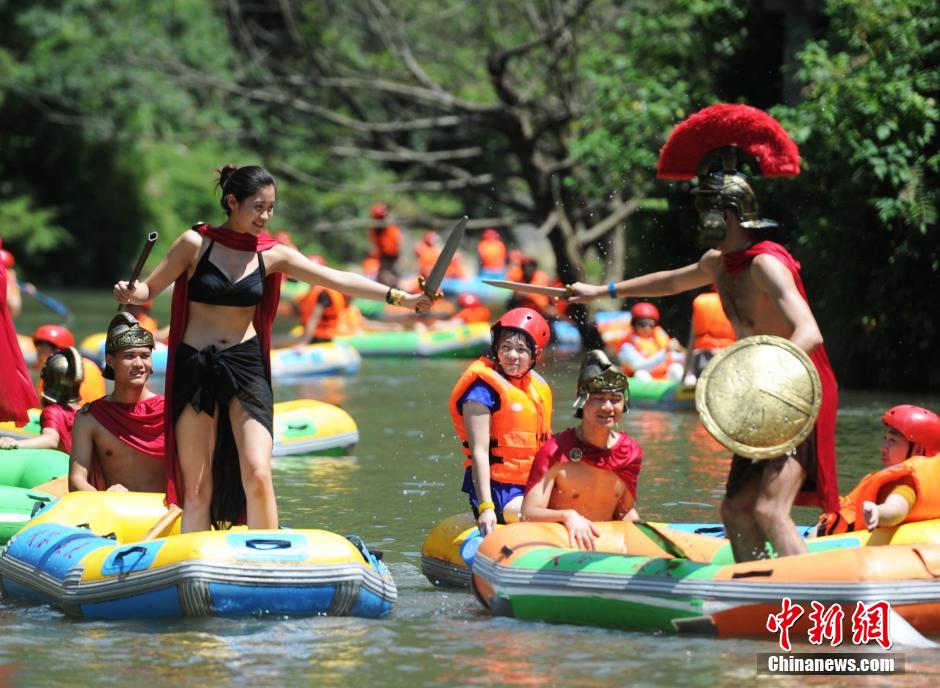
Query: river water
{"x": 403, "y": 478}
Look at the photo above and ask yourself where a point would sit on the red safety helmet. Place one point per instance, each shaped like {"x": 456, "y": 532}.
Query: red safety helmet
{"x": 6, "y": 258}
{"x": 644, "y": 309}
{"x": 56, "y": 335}
{"x": 490, "y": 233}
{"x": 468, "y": 300}
{"x": 917, "y": 425}
{"x": 379, "y": 211}
{"x": 528, "y": 322}
{"x": 431, "y": 238}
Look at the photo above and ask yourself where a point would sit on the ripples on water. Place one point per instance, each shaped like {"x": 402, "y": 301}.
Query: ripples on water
{"x": 404, "y": 477}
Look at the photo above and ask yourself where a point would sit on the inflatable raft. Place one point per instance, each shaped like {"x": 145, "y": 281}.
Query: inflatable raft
{"x": 458, "y": 341}
{"x": 21, "y": 471}
{"x": 662, "y": 395}
{"x": 89, "y": 556}
{"x": 302, "y": 426}
{"x": 329, "y": 358}
{"x": 639, "y": 579}
{"x": 442, "y": 559}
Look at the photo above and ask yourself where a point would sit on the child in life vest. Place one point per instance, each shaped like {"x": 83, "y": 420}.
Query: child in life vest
{"x": 907, "y": 489}
{"x": 648, "y": 352}
{"x": 62, "y": 376}
{"x": 502, "y": 412}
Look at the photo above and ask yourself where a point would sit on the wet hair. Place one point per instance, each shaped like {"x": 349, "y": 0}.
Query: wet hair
{"x": 242, "y": 182}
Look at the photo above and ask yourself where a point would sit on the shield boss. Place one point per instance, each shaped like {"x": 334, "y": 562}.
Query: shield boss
{"x": 759, "y": 397}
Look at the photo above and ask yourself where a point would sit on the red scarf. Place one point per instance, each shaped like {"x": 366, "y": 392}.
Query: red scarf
{"x": 17, "y": 394}
{"x": 826, "y": 494}
{"x": 139, "y": 426}
{"x": 625, "y": 458}
{"x": 263, "y": 321}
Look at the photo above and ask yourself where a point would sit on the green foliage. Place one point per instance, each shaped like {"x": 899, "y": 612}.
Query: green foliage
{"x": 871, "y": 186}
{"x": 33, "y": 230}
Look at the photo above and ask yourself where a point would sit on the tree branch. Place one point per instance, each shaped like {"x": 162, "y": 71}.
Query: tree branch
{"x": 408, "y": 155}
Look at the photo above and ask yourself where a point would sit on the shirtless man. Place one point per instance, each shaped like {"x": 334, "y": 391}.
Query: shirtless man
{"x": 588, "y": 473}
{"x": 117, "y": 441}
{"x": 762, "y": 293}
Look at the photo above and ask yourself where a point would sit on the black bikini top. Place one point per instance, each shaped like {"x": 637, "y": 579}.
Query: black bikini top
{"x": 210, "y": 285}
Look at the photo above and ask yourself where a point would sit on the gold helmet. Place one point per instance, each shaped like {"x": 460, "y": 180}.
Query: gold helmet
{"x": 62, "y": 375}
{"x": 124, "y": 332}
{"x": 598, "y": 374}
{"x": 722, "y": 186}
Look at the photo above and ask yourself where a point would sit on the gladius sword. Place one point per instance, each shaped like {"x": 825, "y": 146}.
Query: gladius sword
{"x": 430, "y": 285}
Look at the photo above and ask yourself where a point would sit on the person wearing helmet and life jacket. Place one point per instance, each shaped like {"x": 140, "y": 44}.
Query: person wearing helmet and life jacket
{"x": 471, "y": 310}
{"x": 62, "y": 377}
{"x": 502, "y": 412}
{"x": 51, "y": 338}
{"x": 386, "y": 243}
{"x": 427, "y": 250}
{"x": 907, "y": 489}
{"x": 537, "y": 302}
{"x": 321, "y": 310}
{"x": 492, "y": 253}
{"x": 590, "y": 472}
{"x": 648, "y": 352}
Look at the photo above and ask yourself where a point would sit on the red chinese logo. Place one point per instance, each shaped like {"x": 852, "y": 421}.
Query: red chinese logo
{"x": 827, "y": 623}
{"x": 869, "y": 623}
{"x": 782, "y": 622}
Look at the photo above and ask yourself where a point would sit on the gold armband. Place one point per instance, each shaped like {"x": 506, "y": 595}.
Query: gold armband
{"x": 395, "y": 296}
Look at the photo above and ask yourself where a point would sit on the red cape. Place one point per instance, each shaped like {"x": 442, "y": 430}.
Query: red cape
{"x": 179, "y": 320}
{"x": 826, "y": 495}
{"x": 17, "y": 394}
{"x": 139, "y": 426}
{"x": 625, "y": 458}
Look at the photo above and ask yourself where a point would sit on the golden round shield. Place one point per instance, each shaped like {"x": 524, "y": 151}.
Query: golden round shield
{"x": 759, "y": 397}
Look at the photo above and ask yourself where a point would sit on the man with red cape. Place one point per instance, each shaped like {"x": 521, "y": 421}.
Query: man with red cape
{"x": 762, "y": 293}
{"x": 117, "y": 440}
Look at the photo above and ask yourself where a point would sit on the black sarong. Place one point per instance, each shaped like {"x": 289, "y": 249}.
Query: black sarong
{"x": 208, "y": 379}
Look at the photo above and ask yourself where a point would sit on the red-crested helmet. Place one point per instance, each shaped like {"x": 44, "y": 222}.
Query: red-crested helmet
{"x": 644, "y": 309}
{"x": 528, "y": 321}
{"x": 379, "y": 211}
{"x": 6, "y": 258}
{"x": 56, "y": 335}
{"x": 917, "y": 425}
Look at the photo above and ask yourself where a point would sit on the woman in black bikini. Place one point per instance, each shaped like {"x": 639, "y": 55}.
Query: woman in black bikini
{"x": 218, "y": 384}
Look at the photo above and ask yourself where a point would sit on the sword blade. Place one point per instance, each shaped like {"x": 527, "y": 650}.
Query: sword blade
{"x": 557, "y": 292}
{"x": 436, "y": 276}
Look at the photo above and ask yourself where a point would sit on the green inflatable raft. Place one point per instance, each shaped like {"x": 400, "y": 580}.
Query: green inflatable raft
{"x": 21, "y": 470}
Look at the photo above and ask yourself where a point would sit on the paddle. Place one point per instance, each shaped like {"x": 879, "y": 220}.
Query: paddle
{"x": 144, "y": 254}
{"x": 164, "y": 523}
{"x": 45, "y": 300}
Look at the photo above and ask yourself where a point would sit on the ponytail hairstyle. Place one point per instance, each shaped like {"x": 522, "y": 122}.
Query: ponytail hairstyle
{"x": 242, "y": 182}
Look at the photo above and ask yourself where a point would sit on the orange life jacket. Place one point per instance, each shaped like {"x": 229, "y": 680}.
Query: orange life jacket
{"x": 923, "y": 471}
{"x": 492, "y": 254}
{"x": 521, "y": 424}
{"x": 650, "y": 346}
{"x": 427, "y": 256}
{"x": 148, "y": 323}
{"x": 387, "y": 240}
{"x": 712, "y": 328}
{"x": 331, "y": 316}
